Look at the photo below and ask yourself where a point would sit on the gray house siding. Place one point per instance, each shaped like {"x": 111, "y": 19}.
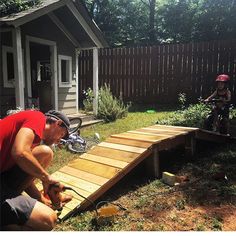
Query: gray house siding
{"x": 7, "y": 95}
{"x": 46, "y": 29}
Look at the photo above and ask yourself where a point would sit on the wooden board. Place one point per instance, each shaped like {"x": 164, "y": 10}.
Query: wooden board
{"x": 94, "y": 168}
{"x": 115, "y": 154}
{"x": 134, "y": 143}
{"x": 162, "y": 131}
{"x": 175, "y": 127}
{"x": 146, "y": 138}
{"x": 122, "y": 147}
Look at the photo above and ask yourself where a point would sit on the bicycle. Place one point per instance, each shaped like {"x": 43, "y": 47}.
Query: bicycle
{"x": 217, "y": 124}
{"x": 77, "y": 144}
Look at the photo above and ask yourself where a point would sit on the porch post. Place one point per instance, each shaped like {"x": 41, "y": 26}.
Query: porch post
{"x": 77, "y": 51}
{"x": 18, "y": 68}
{"x": 95, "y": 80}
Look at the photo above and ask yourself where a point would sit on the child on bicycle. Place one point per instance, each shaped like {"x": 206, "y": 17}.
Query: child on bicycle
{"x": 222, "y": 95}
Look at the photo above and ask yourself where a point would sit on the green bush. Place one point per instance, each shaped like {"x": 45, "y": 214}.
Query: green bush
{"x": 192, "y": 116}
{"x": 109, "y": 107}
{"x": 88, "y": 101}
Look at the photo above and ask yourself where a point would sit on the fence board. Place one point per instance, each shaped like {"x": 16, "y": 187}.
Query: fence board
{"x": 152, "y": 74}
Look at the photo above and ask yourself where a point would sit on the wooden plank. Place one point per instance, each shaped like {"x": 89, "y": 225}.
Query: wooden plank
{"x": 211, "y": 136}
{"x": 156, "y": 134}
{"x": 94, "y": 168}
{"x": 65, "y": 211}
{"x": 165, "y": 131}
{"x": 134, "y": 143}
{"x": 105, "y": 160}
{"x": 84, "y": 175}
{"x": 115, "y": 179}
{"x": 80, "y": 183}
{"x": 74, "y": 203}
{"x": 122, "y": 147}
{"x": 150, "y": 138}
{"x": 176, "y": 127}
{"x": 116, "y": 154}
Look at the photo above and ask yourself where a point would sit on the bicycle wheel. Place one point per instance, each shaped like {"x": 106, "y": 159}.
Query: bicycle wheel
{"x": 90, "y": 142}
{"x": 77, "y": 147}
{"x": 75, "y": 121}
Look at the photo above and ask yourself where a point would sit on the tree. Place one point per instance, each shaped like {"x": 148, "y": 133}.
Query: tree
{"x": 216, "y": 20}
{"x": 13, "y": 6}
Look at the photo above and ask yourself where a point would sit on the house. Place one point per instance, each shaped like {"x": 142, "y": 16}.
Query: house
{"x": 39, "y": 55}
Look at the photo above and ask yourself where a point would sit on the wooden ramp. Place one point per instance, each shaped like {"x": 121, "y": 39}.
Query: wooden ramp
{"x": 96, "y": 171}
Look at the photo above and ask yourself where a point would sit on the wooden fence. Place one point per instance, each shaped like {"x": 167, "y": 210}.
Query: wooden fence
{"x": 157, "y": 74}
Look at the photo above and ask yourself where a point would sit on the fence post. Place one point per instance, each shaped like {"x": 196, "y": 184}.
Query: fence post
{"x": 95, "y": 81}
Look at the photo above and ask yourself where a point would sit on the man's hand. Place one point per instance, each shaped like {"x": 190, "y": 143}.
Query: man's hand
{"x": 45, "y": 200}
{"x": 48, "y": 180}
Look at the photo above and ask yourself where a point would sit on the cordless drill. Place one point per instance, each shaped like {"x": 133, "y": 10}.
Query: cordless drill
{"x": 54, "y": 193}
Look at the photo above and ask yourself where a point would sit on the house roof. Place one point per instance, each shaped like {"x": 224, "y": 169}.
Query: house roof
{"x": 80, "y": 16}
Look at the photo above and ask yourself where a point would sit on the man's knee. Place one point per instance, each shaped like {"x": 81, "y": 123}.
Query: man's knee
{"x": 43, "y": 154}
{"x": 42, "y": 218}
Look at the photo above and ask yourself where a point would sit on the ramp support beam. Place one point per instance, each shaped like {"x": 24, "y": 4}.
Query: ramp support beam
{"x": 190, "y": 145}
{"x": 153, "y": 163}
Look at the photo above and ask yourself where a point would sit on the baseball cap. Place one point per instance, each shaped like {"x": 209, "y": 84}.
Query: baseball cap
{"x": 60, "y": 116}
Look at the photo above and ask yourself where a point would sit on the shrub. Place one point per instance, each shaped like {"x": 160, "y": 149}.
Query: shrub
{"x": 109, "y": 107}
{"x": 88, "y": 101}
{"x": 192, "y": 116}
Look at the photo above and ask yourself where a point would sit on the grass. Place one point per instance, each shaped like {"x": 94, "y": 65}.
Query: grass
{"x": 202, "y": 204}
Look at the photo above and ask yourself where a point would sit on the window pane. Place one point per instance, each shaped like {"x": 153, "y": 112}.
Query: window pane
{"x": 10, "y": 66}
{"x": 64, "y": 73}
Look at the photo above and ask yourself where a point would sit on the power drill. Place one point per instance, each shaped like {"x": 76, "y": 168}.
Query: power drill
{"x": 54, "y": 193}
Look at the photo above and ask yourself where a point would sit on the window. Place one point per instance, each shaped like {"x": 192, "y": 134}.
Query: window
{"x": 65, "y": 71}
{"x": 8, "y": 66}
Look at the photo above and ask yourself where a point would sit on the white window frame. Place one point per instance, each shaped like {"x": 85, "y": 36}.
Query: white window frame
{"x": 69, "y": 67}
{"x": 7, "y": 83}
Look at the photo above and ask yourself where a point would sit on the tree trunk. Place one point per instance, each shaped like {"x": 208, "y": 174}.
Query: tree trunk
{"x": 152, "y": 36}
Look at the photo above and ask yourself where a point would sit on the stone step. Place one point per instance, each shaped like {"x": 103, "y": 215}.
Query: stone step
{"x": 87, "y": 119}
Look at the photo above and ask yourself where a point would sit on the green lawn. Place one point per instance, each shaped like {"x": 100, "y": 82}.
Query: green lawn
{"x": 203, "y": 203}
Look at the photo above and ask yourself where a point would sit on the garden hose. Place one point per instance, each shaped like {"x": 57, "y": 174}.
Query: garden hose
{"x": 103, "y": 215}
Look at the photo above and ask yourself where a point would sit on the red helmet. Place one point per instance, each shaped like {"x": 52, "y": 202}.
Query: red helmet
{"x": 222, "y": 78}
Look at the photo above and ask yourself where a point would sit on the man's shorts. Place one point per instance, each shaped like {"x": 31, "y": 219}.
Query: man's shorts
{"x": 15, "y": 208}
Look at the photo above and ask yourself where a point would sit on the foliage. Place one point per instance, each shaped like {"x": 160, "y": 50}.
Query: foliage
{"x": 88, "y": 101}
{"x": 8, "y": 7}
{"x": 193, "y": 115}
{"x": 109, "y": 107}
{"x": 135, "y": 22}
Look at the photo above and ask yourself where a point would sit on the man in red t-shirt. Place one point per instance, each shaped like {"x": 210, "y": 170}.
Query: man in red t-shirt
{"x": 23, "y": 158}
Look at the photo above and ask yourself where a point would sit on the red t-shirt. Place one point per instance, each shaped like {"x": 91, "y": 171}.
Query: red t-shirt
{"x": 10, "y": 126}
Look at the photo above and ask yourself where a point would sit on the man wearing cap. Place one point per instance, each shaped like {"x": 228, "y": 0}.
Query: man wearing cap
{"x": 23, "y": 158}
